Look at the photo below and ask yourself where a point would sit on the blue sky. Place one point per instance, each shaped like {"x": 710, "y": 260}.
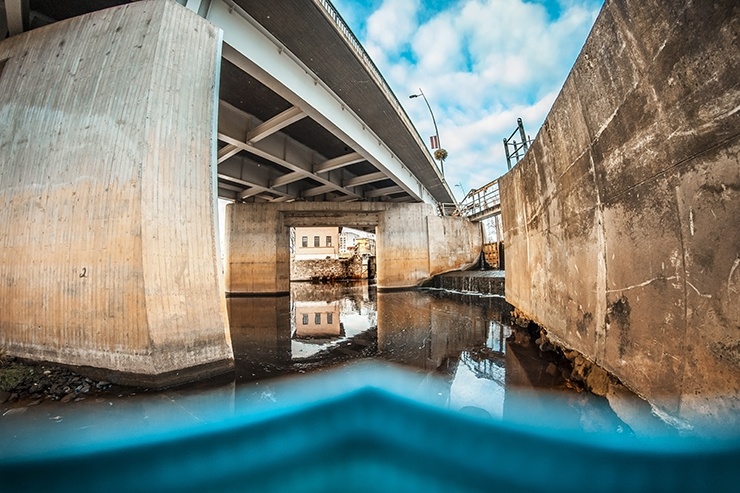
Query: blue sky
{"x": 481, "y": 64}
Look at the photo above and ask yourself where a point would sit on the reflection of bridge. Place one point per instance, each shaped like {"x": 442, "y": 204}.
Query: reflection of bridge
{"x": 489, "y": 361}
{"x": 485, "y": 364}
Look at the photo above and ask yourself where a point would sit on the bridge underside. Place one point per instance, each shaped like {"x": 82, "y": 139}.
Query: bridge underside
{"x": 116, "y": 149}
{"x": 302, "y": 114}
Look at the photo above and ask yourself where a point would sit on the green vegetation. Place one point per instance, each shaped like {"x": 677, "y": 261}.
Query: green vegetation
{"x": 12, "y": 374}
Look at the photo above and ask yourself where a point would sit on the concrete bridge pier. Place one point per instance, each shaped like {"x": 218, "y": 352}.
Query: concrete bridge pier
{"x": 413, "y": 243}
{"x": 108, "y": 257}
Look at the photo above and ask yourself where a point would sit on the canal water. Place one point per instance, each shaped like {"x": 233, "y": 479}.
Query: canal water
{"x": 459, "y": 348}
{"x": 462, "y": 341}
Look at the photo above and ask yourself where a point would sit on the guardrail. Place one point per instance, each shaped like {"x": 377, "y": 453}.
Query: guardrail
{"x": 481, "y": 203}
{"x": 343, "y": 29}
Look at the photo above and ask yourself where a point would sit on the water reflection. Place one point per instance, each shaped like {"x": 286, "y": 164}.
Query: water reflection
{"x": 459, "y": 349}
{"x": 327, "y": 317}
{"x": 318, "y": 325}
{"x": 488, "y": 369}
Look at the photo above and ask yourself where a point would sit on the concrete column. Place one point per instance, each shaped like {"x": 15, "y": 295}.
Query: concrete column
{"x": 257, "y": 250}
{"x": 109, "y": 257}
{"x": 403, "y": 246}
{"x": 415, "y": 244}
{"x": 454, "y": 243}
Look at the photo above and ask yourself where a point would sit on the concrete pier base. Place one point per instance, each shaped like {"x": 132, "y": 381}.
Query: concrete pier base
{"x": 413, "y": 243}
{"x": 108, "y": 257}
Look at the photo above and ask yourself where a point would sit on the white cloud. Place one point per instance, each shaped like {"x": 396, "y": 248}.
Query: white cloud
{"x": 438, "y": 45}
{"x": 391, "y": 25}
{"x": 482, "y": 64}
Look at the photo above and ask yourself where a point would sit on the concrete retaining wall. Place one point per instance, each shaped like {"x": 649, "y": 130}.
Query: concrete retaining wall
{"x": 621, "y": 222}
{"x": 453, "y": 243}
{"x": 328, "y": 269}
{"x": 108, "y": 256}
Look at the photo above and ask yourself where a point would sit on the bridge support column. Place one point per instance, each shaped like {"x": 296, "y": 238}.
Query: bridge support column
{"x": 258, "y": 250}
{"x": 413, "y": 243}
{"x": 109, "y": 256}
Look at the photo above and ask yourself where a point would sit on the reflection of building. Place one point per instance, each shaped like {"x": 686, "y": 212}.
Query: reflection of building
{"x": 317, "y": 320}
{"x": 316, "y": 243}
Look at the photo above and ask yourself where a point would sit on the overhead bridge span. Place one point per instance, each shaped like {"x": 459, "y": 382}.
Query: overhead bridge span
{"x": 121, "y": 124}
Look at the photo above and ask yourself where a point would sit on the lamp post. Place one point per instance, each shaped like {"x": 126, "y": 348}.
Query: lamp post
{"x": 436, "y": 132}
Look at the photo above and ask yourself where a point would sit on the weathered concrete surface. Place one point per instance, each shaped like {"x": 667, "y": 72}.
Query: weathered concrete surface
{"x": 108, "y": 256}
{"x": 454, "y": 243}
{"x": 413, "y": 244}
{"x": 328, "y": 269}
{"x": 472, "y": 281}
{"x": 621, "y": 223}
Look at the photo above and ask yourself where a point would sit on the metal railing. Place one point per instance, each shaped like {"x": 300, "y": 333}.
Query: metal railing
{"x": 481, "y": 203}
{"x": 516, "y": 147}
{"x": 352, "y": 41}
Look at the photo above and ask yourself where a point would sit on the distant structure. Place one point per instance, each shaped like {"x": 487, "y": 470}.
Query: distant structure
{"x": 353, "y": 241}
{"x": 512, "y": 148}
{"x": 316, "y": 243}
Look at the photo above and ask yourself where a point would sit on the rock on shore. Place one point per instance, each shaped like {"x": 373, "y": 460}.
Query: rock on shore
{"x": 20, "y": 381}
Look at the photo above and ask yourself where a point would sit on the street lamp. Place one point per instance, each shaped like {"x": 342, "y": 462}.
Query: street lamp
{"x": 436, "y": 132}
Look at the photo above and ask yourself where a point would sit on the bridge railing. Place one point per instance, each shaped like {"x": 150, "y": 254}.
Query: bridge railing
{"x": 481, "y": 203}
{"x": 342, "y": 27}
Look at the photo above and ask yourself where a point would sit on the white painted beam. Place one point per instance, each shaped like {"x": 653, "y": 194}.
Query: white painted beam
{"x": 250, "y": 47}
{"x": 277, "y": 148}
{"x": 338, "y": 162}
{"x": 345, "y": 198}
{"x": 380, "y": 192}
{"x": 232, "y": 179}
{"x": 249, "y": 192}
{"x": 312, "y": 192}
{"x": 365, "y": 179}
{"x": 17, "y": 13}
{"x": 233, "y": 188}
{"x": 233, "y": 123}
{"x": 226, "y": 152}
{"x": 282, "y": 162}
{"x": 287, "y": 178}
{"x": 275, "y": 124}
{"x": 256, "y": 187}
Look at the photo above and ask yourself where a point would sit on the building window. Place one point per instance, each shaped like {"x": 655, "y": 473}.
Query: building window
{"x": 329, "y": 318}
{"x": 328, "y": 241}
{"x": 305, "y": 319}
{"x": 317, "y": 319}
{"x": 316, "y": 241}
{"x": 304, "y": 242}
